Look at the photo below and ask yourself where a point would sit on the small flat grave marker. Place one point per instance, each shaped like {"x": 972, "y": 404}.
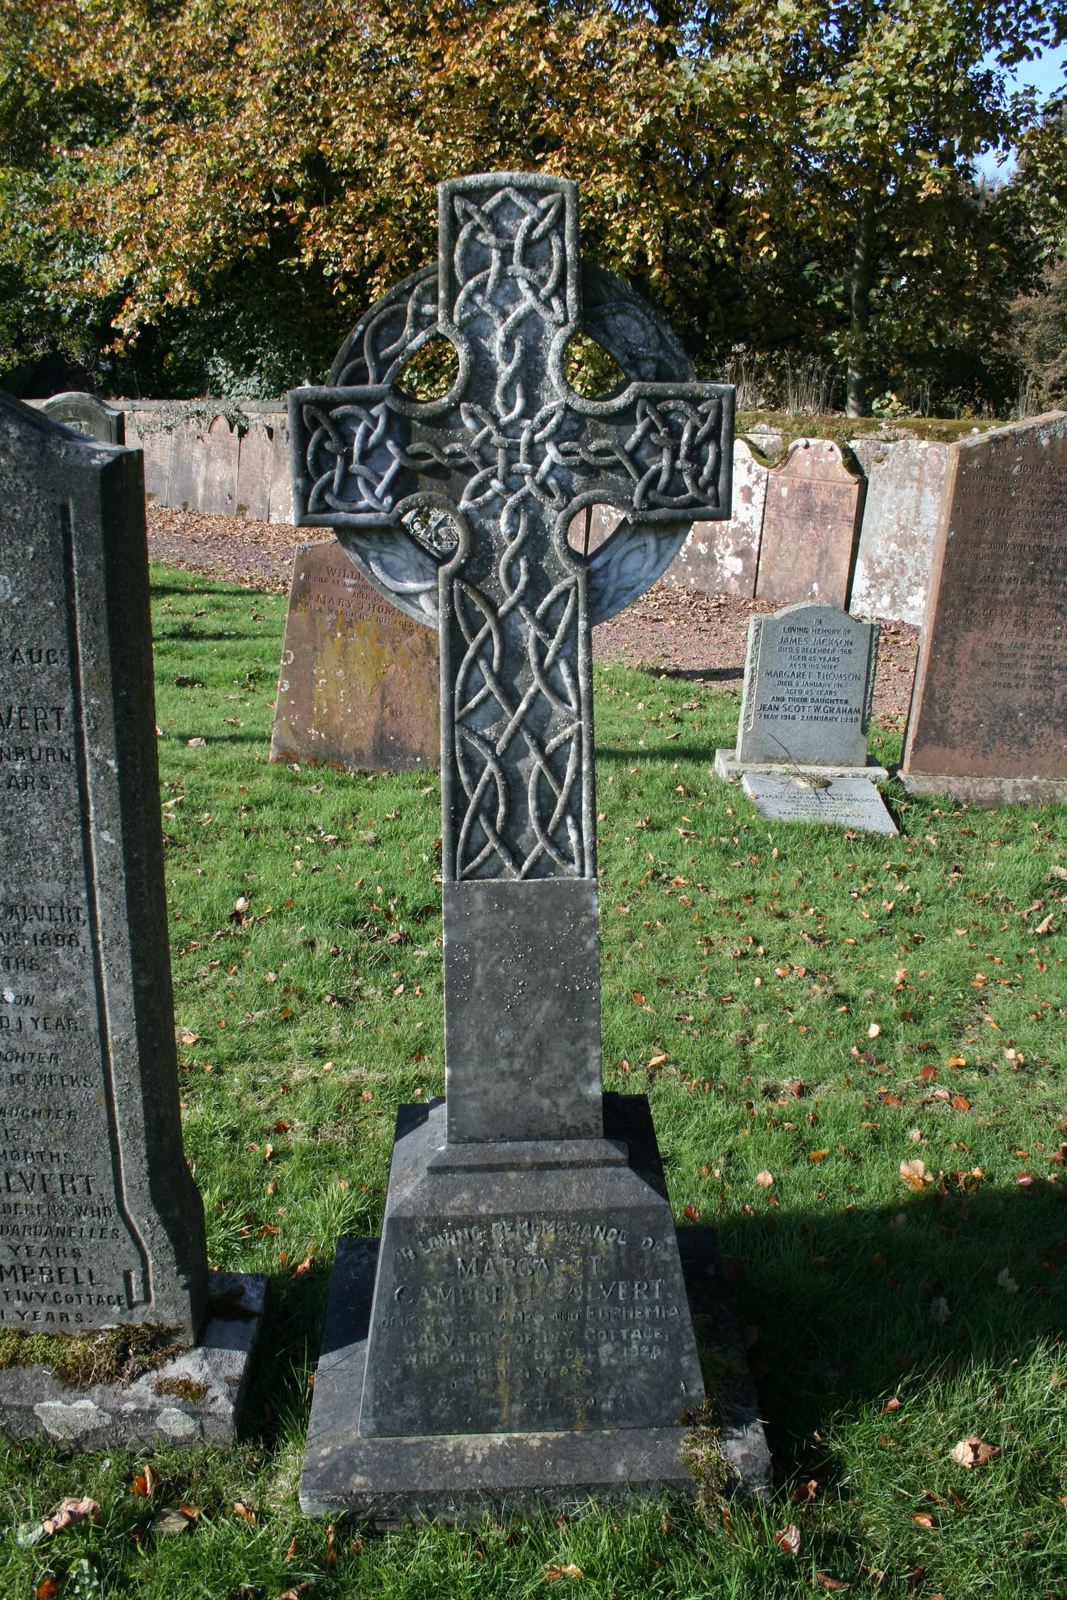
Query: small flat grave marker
{"x": 360, "y": 685}
{"x": 810, "y": 526}
{"x": 845, "y": 802}
{"x": 988, "y": 718}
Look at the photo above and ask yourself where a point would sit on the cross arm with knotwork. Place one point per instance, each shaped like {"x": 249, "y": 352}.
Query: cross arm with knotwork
{"x": 510, "y": 454}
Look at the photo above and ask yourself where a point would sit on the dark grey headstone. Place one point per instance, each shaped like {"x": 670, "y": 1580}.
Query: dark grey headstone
{"x": 522, "y": 1009}
{"x": 809, "y": 684}
{"x": 529, "y": 1282}
{"x": 100, "y": 1222}
{"x": 86, "y": 414}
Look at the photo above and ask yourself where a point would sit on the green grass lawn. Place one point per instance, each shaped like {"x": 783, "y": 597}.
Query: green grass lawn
{"x": 822, "y": 1008}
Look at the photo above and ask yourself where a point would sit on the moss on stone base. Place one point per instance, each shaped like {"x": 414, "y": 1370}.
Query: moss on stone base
{"x": 79, "y": 1360}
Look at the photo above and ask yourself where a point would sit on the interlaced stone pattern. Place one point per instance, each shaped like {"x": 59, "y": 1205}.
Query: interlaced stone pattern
{"x": 510, "y": 454}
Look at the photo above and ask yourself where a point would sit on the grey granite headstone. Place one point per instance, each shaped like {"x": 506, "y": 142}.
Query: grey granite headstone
{"x": 86, "y": 414}
{"x": 529, "y": 1321}
{"x": 846, "y": 802}
{"x": 100, "y": 1221}
{"x": 809, "y": 684}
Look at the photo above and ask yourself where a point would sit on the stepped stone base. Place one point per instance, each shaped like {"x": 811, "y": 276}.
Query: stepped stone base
{"x": 195, "y": 1398}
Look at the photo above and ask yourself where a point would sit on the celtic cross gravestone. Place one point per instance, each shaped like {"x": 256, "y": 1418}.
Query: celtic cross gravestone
{"x": 529, "y": 1292}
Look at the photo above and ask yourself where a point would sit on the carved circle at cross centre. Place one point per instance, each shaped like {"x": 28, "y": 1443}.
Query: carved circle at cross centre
{"x": 511, "y": 453}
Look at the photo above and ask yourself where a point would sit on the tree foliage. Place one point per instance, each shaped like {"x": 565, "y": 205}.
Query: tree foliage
{"x": 206, "y": 194}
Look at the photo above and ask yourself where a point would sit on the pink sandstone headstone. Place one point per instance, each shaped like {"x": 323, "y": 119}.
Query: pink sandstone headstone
{"x": 988, "y": 718}
{"x": 811, "y": 524}
{"x": 359, "y": 685}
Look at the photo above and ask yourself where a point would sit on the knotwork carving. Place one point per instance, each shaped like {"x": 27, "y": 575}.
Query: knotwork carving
{"x": 510, "y": 455}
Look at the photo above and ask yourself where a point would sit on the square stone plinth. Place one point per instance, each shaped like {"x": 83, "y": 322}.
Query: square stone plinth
{"x": 195, "y": 1398}
{"x": 405, "y": 1475}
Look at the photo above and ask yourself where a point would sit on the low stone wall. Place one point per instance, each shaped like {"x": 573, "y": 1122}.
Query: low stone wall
{"x": 231, "y": 458}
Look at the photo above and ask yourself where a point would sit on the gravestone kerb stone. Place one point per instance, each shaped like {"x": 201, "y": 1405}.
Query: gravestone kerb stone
{"x": 100, "y": 1221}
{"x": 359, "y": 684}
{"x": 988, "y": 719}
{"x": 517, "y": 1209}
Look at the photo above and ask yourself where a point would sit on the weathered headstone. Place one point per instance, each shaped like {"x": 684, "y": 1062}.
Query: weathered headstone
{"x": 988, "y": 720}
{"x": 86, "y": 414}
{"x": 806, "y": 710}
{"x": 811, "y": 522}
{"x": 100, "y": 1221}
{"x": 359, "y": 685}
{"x": 845, "y": 802}
{"x": 722, "y": 557}
{"x": 529, "y": 1337}
{"x": 900, "y": 517}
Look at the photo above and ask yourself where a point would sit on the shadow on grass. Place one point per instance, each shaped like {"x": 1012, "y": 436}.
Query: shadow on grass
{"x": 844, "y": 1309}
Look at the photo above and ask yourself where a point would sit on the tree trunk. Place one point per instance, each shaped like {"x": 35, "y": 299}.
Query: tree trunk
{"x": 860, "y": 326}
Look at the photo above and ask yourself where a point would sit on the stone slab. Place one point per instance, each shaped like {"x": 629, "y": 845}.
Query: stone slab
{"x": 522, "y": 1009}
{"x": 85, "y": 414}
{"x": 730, "y": 770}
{"x": 811, "y": 523}
{"x": 990, "y": 697}
{"x": 162, "y": 1407}
{"x": 986, "y": 793}
{"x": 359, "y": 685}
{"x": 809, "y": 688}
{"x": 219, "y": 463}
{"x": 845, "y": 802}
{"x": 527, "y": 1301}
{"x": 900, "y": 520}
{"x": 100, "y": 1221}
{"x": 460, "y": 1478}
{"x": 723, "y": 557}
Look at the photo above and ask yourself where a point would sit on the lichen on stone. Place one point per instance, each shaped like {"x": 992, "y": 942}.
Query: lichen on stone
{"x": 703, "y": 1458}
{"x": 80, "y": 1360}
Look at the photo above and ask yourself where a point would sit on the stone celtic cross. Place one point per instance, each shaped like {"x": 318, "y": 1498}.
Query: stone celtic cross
{"x": 511, "y": 453}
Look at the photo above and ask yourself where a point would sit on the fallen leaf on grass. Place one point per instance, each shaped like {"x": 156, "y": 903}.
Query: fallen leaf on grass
{"x": 960, "y": 1103}
{"x": 169, "y": 1522}
{"x": 48, "y": 1588}
{"x": 240, "y": 1510}
{"x": 765, "y": 1178}
{"x": 971, "y": 1452}
{"x": 690, "y": 1213}
{"x": 145, "y": 1484}
{"x": 1025, "y": 1180}
{"x": 914, "y": 1174}
{"x": 956, "y": 1061}
{"x": 554, "y": 1573}
{"x": 304, "y": 1268}
{"x": 788, "y": 1538}
{"x": 805, "y": 1492}
{"x": 824, "y": 1580}
{"x": 817, "y": 1155}
{"x": 192, "y": 1512}
{"x": 67, "y": 1513}
{"x": 1007, "y": 1282}
{"x": 637, "y": 997}
{"x": 658, "y": 1061}
{"x": 892, "y": 1404}
{"x": 925, "y": 1519}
